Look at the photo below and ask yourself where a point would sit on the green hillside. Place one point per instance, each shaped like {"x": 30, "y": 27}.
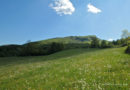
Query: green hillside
{"x": 44, "y": 47}
{"x": 69, "y": 39}
{"x": 76, "y": 69}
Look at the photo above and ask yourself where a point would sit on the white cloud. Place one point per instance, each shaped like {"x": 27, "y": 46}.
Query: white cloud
{"x": 110, "y": 39}
{"x": 93, "y": 9}
{"x": 63, "y": 7}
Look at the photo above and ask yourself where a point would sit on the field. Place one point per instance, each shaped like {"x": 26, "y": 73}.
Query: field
{"x": 77, "y": 69}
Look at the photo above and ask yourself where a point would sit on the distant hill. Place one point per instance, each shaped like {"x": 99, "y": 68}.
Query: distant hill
{"x": 68, "y": 40}
{"x": 46, "y": 47}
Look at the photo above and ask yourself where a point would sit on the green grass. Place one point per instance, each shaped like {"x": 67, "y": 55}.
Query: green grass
{"x": 78, "y": 69}
{"x": 68, "y": 40}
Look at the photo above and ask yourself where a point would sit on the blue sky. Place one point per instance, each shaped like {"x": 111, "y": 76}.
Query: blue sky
{"x": 22, "y": 20}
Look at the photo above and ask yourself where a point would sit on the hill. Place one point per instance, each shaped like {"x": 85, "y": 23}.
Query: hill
{"x": 69, "y": 39}
{"x": 46, "y": 47}
{"x": 75, "y": 69}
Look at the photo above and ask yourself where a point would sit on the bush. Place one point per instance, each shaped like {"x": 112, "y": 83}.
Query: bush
{"x": 104, "y": 44}
{"x": 30, "y": 50}
{"x": 55, "y": 47}
{"x": 110, "y": 45}
{"x": 10, "y": 50}
{"x": 95, "y": 43}
{"x": 128, "y": 49}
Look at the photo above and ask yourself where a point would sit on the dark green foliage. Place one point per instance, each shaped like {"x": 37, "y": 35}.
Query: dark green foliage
{"x": 123, "y": 42}
{"x": 55, "y": 47}
{"x": 77, "y": 45}
{"x": 128, "y": 50}
{"x": 10, "y": 50}
{"x": 120, "y": 42}
{"x": 110, "y": 45}
{"x": 95, "y": 43}
{"x": 30, "y": 50}
{"x": 46, "y": 47}
{"x": 50, "y": 46}
{"x": 128, "y": 43}
{"x": 104, "y": 44}
{"x": 114, "y": 42}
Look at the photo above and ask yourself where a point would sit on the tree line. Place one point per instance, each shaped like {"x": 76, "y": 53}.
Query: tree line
{"x": 32, "y": 49}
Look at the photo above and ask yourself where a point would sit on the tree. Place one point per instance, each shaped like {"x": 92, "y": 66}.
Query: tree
{"x": 95, "y": 43}
{"x": 110, "y": 45}
{"x": 128, "y": 49}
{"x": 123, "y": 42}
{"x": 128, "y": 43}
{"x": 104, "y": 44}
{"x": 114, "y": 42}
{"x": 55, "y": 47}
{"x": 30, "y": 49}
{"x": 125, "y": 34}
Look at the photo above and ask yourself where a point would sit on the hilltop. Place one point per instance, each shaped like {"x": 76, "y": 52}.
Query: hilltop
{"x": 67, "y": 40}
{"x": 50, "y": 46}
{"x": 46, "y": 47}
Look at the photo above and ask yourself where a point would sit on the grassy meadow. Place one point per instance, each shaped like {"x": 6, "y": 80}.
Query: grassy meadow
{"x": 76, "y": 69}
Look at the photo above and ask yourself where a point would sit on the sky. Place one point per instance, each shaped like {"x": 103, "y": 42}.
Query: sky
{"x": 23, "y": 20}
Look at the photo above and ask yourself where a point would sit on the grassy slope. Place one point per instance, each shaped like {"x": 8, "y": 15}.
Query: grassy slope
{"x": 92, "y": 69}
{"x": 67, "y": 40}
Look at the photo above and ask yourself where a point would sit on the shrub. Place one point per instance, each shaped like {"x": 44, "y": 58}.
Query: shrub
{"x": 10, "y": 50}
{"x": 55, "y": 47}
{"x": 104, "y": 44}
{"x": 128, "y": 49}
{"x": 95, "y": 43}
{"x": 110, "y": 45}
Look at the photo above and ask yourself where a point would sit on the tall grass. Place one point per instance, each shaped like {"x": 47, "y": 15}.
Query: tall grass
{"x": 77, "y": 69}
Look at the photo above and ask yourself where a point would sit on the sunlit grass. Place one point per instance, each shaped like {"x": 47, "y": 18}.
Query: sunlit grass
{"x": 91, "y": 69}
